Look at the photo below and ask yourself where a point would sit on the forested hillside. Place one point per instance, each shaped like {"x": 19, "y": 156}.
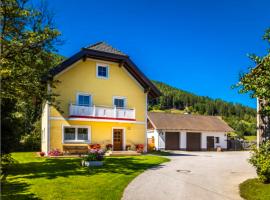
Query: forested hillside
{"x": 241, "y": 118}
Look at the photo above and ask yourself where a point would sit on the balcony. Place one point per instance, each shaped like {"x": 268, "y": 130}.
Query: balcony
{"x": 101, "y": 112}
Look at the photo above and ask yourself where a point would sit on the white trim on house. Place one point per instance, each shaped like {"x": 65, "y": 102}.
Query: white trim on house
{"x": 76, "y": 134}
{"x": 124, "y": 136}
{"x": 146, "y": 110}
{"x": 103, "y": 65}
{"x": 96, "y": 120}
{"x": 84, "y": 94}
{"x": 68, "y": 68}
{"x": 49, "y": 124}
{"x": 120, "y": 97}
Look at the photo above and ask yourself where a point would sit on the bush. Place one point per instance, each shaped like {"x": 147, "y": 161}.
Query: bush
{"x": 260, "y": 159}
{"x": 6, "y": 162}
{"x": 55, "y": 152}
{"x": 94, "y": 155}
{"x": 32, "y": 141}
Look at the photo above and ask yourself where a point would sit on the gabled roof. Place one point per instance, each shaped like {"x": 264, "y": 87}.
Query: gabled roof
{"x": 169, "y": 121}
{"x": 103, "y": 47}
{"x": 106, "y": 52}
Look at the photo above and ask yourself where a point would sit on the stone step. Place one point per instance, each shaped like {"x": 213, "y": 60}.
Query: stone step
{"x": 124, "y": 153}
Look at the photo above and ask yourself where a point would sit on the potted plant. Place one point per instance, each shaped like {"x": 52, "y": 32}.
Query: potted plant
{"x": 108, "y": 147}
{"x": 128, "y": 147}
{"x": 42, "y": 154}
{"x": 139, "y": 148}
{"x": 93, "y": 158}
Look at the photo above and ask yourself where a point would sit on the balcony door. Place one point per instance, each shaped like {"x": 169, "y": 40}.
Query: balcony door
{"x": 84, "y": 99}
{"x": 118, "y": 139}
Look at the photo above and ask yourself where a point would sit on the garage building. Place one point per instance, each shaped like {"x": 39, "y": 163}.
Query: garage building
{"x": 187, "y": 132}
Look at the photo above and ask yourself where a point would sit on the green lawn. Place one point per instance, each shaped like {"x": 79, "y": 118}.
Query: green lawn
{"x": 63, "y": 178}
{"x": 251, "y": 138}
{"x": 253, "y": 189}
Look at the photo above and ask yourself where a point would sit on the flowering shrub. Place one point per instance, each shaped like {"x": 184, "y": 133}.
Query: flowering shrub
{"x": 109, "y": 146}
{"x": 128, "y": 147}
{"x": 139, "y": 148}
{"x": 41, "y": 154}
{"x": 94, "y": 155}
{"x": 94, "y": 146}
{"x": 55, "y": 152}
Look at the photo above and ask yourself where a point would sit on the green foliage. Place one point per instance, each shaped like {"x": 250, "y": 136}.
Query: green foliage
{"x": 6, "y": 162}
{"x": 254, "y": 189}
{"x": 241, "y": 118}
{"x": 28, "y": 41}
{"x": 257, "y": 80}
{"x": 260, "y": 159}
{"x": 32, "y": 141}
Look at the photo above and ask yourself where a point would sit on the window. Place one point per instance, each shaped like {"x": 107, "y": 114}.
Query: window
{"x": 217, "y": 139}
{"x": 83, "y": 99}
{"x": 102, "y": 71}
{"x": 119, "y": 102}
{"x": 76, "y": 134}
{"x": 82, "y": 134}
{"x": 69, "y": 133}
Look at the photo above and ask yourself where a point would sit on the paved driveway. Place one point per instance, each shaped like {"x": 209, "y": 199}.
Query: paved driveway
{"x": 193, "y": 176}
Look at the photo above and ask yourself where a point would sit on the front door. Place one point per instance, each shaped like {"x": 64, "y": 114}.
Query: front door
{"x": 117, "y": 139}
{"x": 210, "y": 143}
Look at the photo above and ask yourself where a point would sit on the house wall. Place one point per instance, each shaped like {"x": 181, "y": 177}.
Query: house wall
{"x": 101, "y": 132}
{"x": 222, "y": 139}
{"x": 81, "y": 77}
{"x": 161, "y": 135}
{"x": 44, "y": 128}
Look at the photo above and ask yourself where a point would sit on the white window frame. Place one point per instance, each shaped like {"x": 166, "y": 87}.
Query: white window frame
{"x": 83, "y": 94}
{"x": 103, "y": 65}
{"x": 120, "y": 97}
{"x": 76, "y": 134}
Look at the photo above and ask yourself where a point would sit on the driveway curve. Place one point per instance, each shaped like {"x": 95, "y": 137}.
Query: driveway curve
{"x": 193, "y": 176}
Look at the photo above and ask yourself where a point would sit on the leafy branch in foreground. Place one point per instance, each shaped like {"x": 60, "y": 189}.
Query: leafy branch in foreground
{"x": 28, "y": 51}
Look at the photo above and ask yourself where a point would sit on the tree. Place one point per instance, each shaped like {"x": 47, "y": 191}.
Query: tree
{"x": 28, "y": 51}
{"x": 257, "y": 83}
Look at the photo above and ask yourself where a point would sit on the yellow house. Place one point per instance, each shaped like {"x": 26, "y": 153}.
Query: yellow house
{"x": 103, "y": 99}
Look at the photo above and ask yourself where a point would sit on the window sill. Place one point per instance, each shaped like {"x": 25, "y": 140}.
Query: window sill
{"x": 76, "y": 142}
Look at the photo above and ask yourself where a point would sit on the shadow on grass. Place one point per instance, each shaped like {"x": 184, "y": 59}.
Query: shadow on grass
{"x": 53, "y": 168}
{"x": 16, "y": 191}
{"x": 170, "y": 153}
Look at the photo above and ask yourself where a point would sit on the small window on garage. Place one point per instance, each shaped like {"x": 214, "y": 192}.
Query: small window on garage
{"x": 217, "y": 139}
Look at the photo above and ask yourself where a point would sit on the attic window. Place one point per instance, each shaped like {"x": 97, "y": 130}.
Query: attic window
{"x": 102, "y": 71}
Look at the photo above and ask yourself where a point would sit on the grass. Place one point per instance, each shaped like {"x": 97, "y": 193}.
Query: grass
{"x": 251, "y": 138}
{"x": 63, "y": 178}
{"x": 253, "y": 189}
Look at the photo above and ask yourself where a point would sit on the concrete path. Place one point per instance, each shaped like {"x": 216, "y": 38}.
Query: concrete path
{"x": 193, "y": 176}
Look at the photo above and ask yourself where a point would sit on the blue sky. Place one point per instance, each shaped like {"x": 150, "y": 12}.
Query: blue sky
{"x": 198, "y": 46}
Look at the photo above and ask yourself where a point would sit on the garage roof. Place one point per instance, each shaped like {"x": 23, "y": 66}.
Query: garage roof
{"x": 169, "y": 121}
